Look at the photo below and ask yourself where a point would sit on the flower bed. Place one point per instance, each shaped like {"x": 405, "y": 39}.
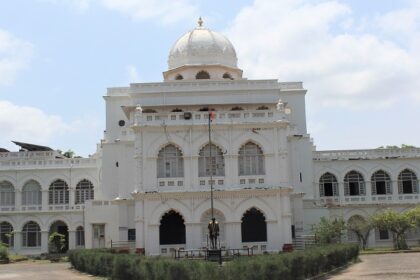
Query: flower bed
{"x": 296, "y": 265}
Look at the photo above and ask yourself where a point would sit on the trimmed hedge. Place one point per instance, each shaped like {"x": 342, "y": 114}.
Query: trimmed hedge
{"x": 296, "y": 265}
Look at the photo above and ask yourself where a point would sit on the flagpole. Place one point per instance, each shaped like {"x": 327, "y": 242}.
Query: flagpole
{"x": 211, "y": 167}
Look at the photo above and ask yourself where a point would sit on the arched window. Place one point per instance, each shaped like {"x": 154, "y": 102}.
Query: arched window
{"x": 202, "y": 75}
{"x": 58, "y": 193}
{"x": 253, "y": 226}
{"x": 31, "y": 235}
{"x": 251, "y": 160}
{"x": 172, "y": 229}
{"x": 227, "y": 76}
{"x": 407, "y": 182}
{"x": 179, "y": 77}
{"x": 237, "y": 108}
{"x": 80, "y": 236}
{"x": 6, "y": 236}
{"x": 170, "y": 163}
{"x": 31, "y": 193}
{"x": 262, "y": 108}
{"x": 328, "y": 185}
{"x": 381, "y": 183}
{"x": 84, "y": 191}
{"x": 7, "y": 194}
{"x": 354, "y": 184}
{"x": 214, "y": 165}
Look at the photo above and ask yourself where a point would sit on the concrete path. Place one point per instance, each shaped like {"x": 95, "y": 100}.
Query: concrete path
{"x": 40, "y": 270}
{"x": 386, "y": 266}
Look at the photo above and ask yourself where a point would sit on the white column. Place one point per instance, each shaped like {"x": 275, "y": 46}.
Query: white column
{"x": 341, "y": 192}
{"x": 44, "y": 241}
{"x": 72, "y": 239}
{"x": 152, "y": 241}
{"x": 189, "y": 236}
{"x": 368, "y": 187}
{"x": 44, "y": 200}
{"x": 139, "y": 223}
{"x": 233, "y": 235}
{"x": 17, "y": 241}
{"x": 71, "y": 197}
{"x": 18, "y": 200}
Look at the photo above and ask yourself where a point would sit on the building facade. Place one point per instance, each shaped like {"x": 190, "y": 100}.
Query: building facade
{"x": 166, "y": 144}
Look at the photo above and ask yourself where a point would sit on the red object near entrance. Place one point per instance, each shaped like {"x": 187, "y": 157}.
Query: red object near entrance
{"x": 287, "y": 247}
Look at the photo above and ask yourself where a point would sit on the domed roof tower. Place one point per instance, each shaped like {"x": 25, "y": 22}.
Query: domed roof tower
{"x": 202, "y": 54}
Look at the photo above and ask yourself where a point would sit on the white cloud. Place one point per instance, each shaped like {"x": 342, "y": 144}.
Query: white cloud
{"x": 78, "y": 5}
{"x": 15, "y": 55}
{"x": 324, "y": 45}
{"x": 29, "y": 124}
{"x": 133, "y": 74}
{"x": 163, "y": 11}
{"x": 167, "y": 11}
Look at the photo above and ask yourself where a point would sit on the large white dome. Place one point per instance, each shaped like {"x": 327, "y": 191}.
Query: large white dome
{"x": 201, "y": 46}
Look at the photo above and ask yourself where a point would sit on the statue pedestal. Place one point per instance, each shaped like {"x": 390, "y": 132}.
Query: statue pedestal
{"x": 214, "y": 255}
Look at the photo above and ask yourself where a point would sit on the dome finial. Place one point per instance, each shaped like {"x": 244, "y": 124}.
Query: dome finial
{"x": 200, "y": 22}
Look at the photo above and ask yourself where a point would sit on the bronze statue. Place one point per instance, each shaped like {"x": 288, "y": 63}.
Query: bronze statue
{"x": 213, "y": 233}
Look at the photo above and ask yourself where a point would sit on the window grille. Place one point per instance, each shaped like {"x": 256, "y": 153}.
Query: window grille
{"x": 251, "y": 160}
{"x": 58, "y": 193}
{"x": 211, "y": 166}
{"x": 7, "y": 194}
{"x": 328, "y": 185}
{"x": 31, "y": 235}
{"x": 31, "y": 193}
{"x": 5, "y": 230}
{"x": 84, "y": 191}
{"x": 131, "y": 234}
{"x": 170, "y": 163}
{"x": 407, "y": 182}
{"x": 354, "y": 184}
{"x": 80, "y": 236}
{"x": 381, "y": 183}
{"x": 381, "y": 234}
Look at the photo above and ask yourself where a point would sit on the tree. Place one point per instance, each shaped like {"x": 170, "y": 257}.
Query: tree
{"x": 69, "y": 154}
{"x": 397, "y": 223}
{"x": 328, "y": 231}
{"x": 361, "y": 227}
{"x": 56, "y": 242}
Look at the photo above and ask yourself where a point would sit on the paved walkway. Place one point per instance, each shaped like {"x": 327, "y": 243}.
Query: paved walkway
{"x": 40, "y": 270}
{"x": 386, "y": 266}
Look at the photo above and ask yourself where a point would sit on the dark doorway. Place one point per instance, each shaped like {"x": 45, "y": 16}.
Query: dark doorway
{"x": 407, "y": 186}
{"x": 328, "y": 189}
{"x": 172, "y": 229}
{"x": 380, "y": 187}
{"x": 254, "y": 228}
{"x": 354, "y": 188}
{"x": 61, "y": 228}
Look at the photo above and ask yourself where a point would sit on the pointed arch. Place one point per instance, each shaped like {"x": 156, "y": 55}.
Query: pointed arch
{"x": 84, "y": 191}
{"x": 253, "y": 226}
{"x": 381, "y": 183}
{"x": 201, "y": 75}
{"x": 31, "y": 193}
{"x": 407, "y": 182}
{"x": 354, "y": 184}
{"x": 170, "y": 162}
{"x": 172, "y": 228}
{"x": 58, "y": 193}
{"x": 213, "y": 165}
{"x": 7, "y": 194}
{"x": 328, "y": 185}
{"x": 251, "y": 160}
{"x": 31, "y": 235}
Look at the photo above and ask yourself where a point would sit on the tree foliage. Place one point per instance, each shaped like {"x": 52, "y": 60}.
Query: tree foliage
{"x": 328, "y": 231}
{"x": 56, "y": 242}
{"x": 361, "y": 227}
{"x": 398, "y": 224}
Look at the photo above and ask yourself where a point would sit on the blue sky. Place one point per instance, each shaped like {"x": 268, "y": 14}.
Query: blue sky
{"x": 358, "y": 59}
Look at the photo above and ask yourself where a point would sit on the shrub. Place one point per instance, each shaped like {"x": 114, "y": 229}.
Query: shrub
{"x": 288, "y": 266}
{"x": 4, "y": 253}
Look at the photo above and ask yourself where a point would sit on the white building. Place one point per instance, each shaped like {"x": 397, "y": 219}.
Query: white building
{"x": 150, "y": 179}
